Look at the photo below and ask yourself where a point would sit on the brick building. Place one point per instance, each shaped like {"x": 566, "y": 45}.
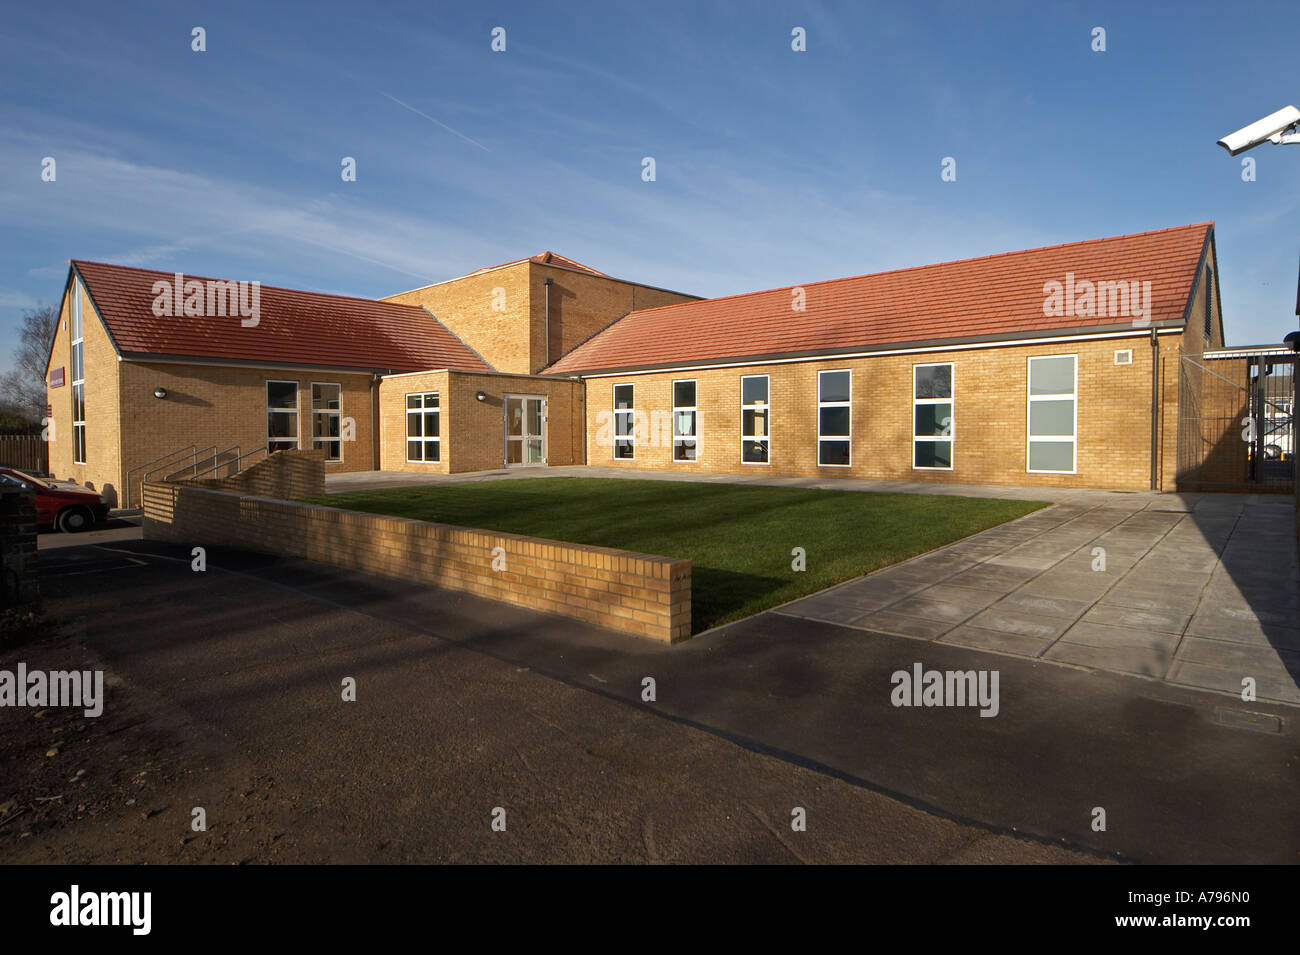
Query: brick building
{"x": 1055, "y": 366}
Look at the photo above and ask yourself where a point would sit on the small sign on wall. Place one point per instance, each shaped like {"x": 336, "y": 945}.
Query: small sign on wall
{"x": 56, "y": 378}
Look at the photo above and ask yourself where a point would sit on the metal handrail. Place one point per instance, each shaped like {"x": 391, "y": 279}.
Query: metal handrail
{"x": 194, "y": 463}
{"x": 216, "y": 462}
{"x": 169, "y": 454}
{"x": 261, "y": 450}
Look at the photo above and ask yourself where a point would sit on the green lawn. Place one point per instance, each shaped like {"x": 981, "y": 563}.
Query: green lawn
{"x": 739, "y": 538}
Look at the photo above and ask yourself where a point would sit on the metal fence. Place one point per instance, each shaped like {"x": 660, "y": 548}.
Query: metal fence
{"x": 1236, "y": 423}
{"x": 26, "y": 452}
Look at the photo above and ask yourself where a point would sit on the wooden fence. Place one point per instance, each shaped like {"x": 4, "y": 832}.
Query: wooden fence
{"x": 26, "y": 452}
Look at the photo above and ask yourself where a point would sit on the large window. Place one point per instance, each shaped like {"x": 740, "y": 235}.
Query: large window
{"x": 834, "y": 390}
{"x": 78, "y": 380}
{"x": 326, "y": 402}
{"x": 423, "y": 428}
{"x": 755, "y": 420}
{"x": 281, "y": 416}
{"x": 686, "y": 421}
{"x": 1209, "y": 299}
{"x": 1052, "y": 414}
{"x": 624, "y": 422}
{"x": 932, "y": 417}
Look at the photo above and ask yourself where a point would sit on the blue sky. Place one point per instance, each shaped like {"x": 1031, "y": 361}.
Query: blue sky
{"x": 773, "y": 167}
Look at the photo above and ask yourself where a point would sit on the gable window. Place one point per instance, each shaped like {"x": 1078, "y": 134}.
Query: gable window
{"x": 685, "y": 422}
{"x": 326, "y": 402}
{"x": 1209, "y": 298}
{"x": 834, "y": 389}
{"x": 932, "y": 417}
{"x": 423, "y": 427}
{"x": 1053, "y": 406}
{"x": 281, "y": 416}
{"x": 755, "y": 415}
{"x": 78, "y": 379}
{"x": 624, "y": 422}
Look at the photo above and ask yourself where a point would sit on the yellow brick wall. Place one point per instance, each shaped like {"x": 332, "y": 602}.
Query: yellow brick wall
{"x": 103, "y": 467}
{"x": 223, "y": 406}
{"x": 465, "y": 305}
{"x": 633, "y": 593}
{"x": 582, "y": 305}
{"x": 990, "y": 388}
{"x": 393, "y": 390}
{"x": 513, "y": 339}
{"x": 472, "y": 430}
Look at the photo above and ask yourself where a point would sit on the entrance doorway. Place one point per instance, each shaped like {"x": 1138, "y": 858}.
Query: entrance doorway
{"x": 525, "y": 430}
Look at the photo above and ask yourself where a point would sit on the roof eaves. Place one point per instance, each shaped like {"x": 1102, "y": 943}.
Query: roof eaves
{"x": 1028, "y": 338}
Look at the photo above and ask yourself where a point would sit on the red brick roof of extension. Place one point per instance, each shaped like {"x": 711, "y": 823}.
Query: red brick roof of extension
{"x": 546, "y": 258}
{"x": 972, "y": 299}
{"x": 294, "y": 328}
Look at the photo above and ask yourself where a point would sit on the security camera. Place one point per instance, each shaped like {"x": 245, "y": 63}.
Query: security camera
{"x": 1272, "y": 127}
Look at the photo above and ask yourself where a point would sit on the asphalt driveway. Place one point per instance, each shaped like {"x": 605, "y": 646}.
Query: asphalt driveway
{"x": 466, "y": 705}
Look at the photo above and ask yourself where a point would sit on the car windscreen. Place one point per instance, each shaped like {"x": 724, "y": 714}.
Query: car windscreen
{"x": 24, "y": 476}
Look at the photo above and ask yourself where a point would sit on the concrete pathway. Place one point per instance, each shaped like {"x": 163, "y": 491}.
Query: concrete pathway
{"x": 1196, "y": 590}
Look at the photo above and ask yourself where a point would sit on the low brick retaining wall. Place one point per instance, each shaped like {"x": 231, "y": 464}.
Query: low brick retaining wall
{"x": 621, "y": 590}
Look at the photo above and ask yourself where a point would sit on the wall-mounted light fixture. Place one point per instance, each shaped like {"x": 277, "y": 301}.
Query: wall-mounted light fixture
{"x": 160, "y": 392}
{"x": 480, "y": 396}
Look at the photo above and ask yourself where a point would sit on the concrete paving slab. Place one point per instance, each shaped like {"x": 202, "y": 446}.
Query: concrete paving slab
{"x": 1136, "y": 660}
{"x": 1148, "y": 600}
{"x": 1074, "y": 586}
{"x": 999, "y": 641}
{"x": 1113, "y": 615}
{"x": 1268, "y": 689}
{"x": 945, "y": 602}
{"x": 999, "y": 578}
{"x": 1245, "y": 658}
{"x": 1245, "y": 625}
{"x": 1061, "y": 607}
{"x": 920, "y": 628}
{"x": 1121, "y": 648}
{"x": 1021, "y": 623}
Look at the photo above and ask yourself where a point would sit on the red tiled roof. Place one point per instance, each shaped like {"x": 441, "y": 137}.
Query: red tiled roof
{"x": 989, "y": 297}
{"x": 294, "y": 328}
{"x": 546, "y": 258}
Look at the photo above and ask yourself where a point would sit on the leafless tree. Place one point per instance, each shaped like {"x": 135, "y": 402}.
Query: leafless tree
{"x": 22, "y": 390}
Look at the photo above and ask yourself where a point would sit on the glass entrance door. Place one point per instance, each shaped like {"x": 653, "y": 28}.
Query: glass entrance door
{"x": 525, "y": 430}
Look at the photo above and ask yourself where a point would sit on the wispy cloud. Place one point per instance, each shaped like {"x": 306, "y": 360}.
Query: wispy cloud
{"x": 436, "y": 122}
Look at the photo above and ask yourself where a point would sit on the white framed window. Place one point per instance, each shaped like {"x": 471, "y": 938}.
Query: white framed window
{"x": 624, "y": 422}
{"x": 281, "y": 416}
{"x": 933, "y": 421}
{"x": 1124, "y": 356}
{"x": 326, "y": 405}
{"x": 78, "y": 379}
{"x": 686, "y": 422}
{"x": 834, "y": 418}
{"x": 755, "y": 420}
{"x": 423, "y": 427}
{"x": 1209, "y": 303}
{"x": 1051, "y": 441}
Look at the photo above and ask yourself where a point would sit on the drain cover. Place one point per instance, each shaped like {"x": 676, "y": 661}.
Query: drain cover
{"x": 1246, "y": 720}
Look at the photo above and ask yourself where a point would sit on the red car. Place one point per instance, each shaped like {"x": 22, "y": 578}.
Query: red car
{"x": 69, "y": 508}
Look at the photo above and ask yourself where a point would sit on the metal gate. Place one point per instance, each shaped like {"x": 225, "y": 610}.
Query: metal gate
{"x": 1236, "y": 422}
